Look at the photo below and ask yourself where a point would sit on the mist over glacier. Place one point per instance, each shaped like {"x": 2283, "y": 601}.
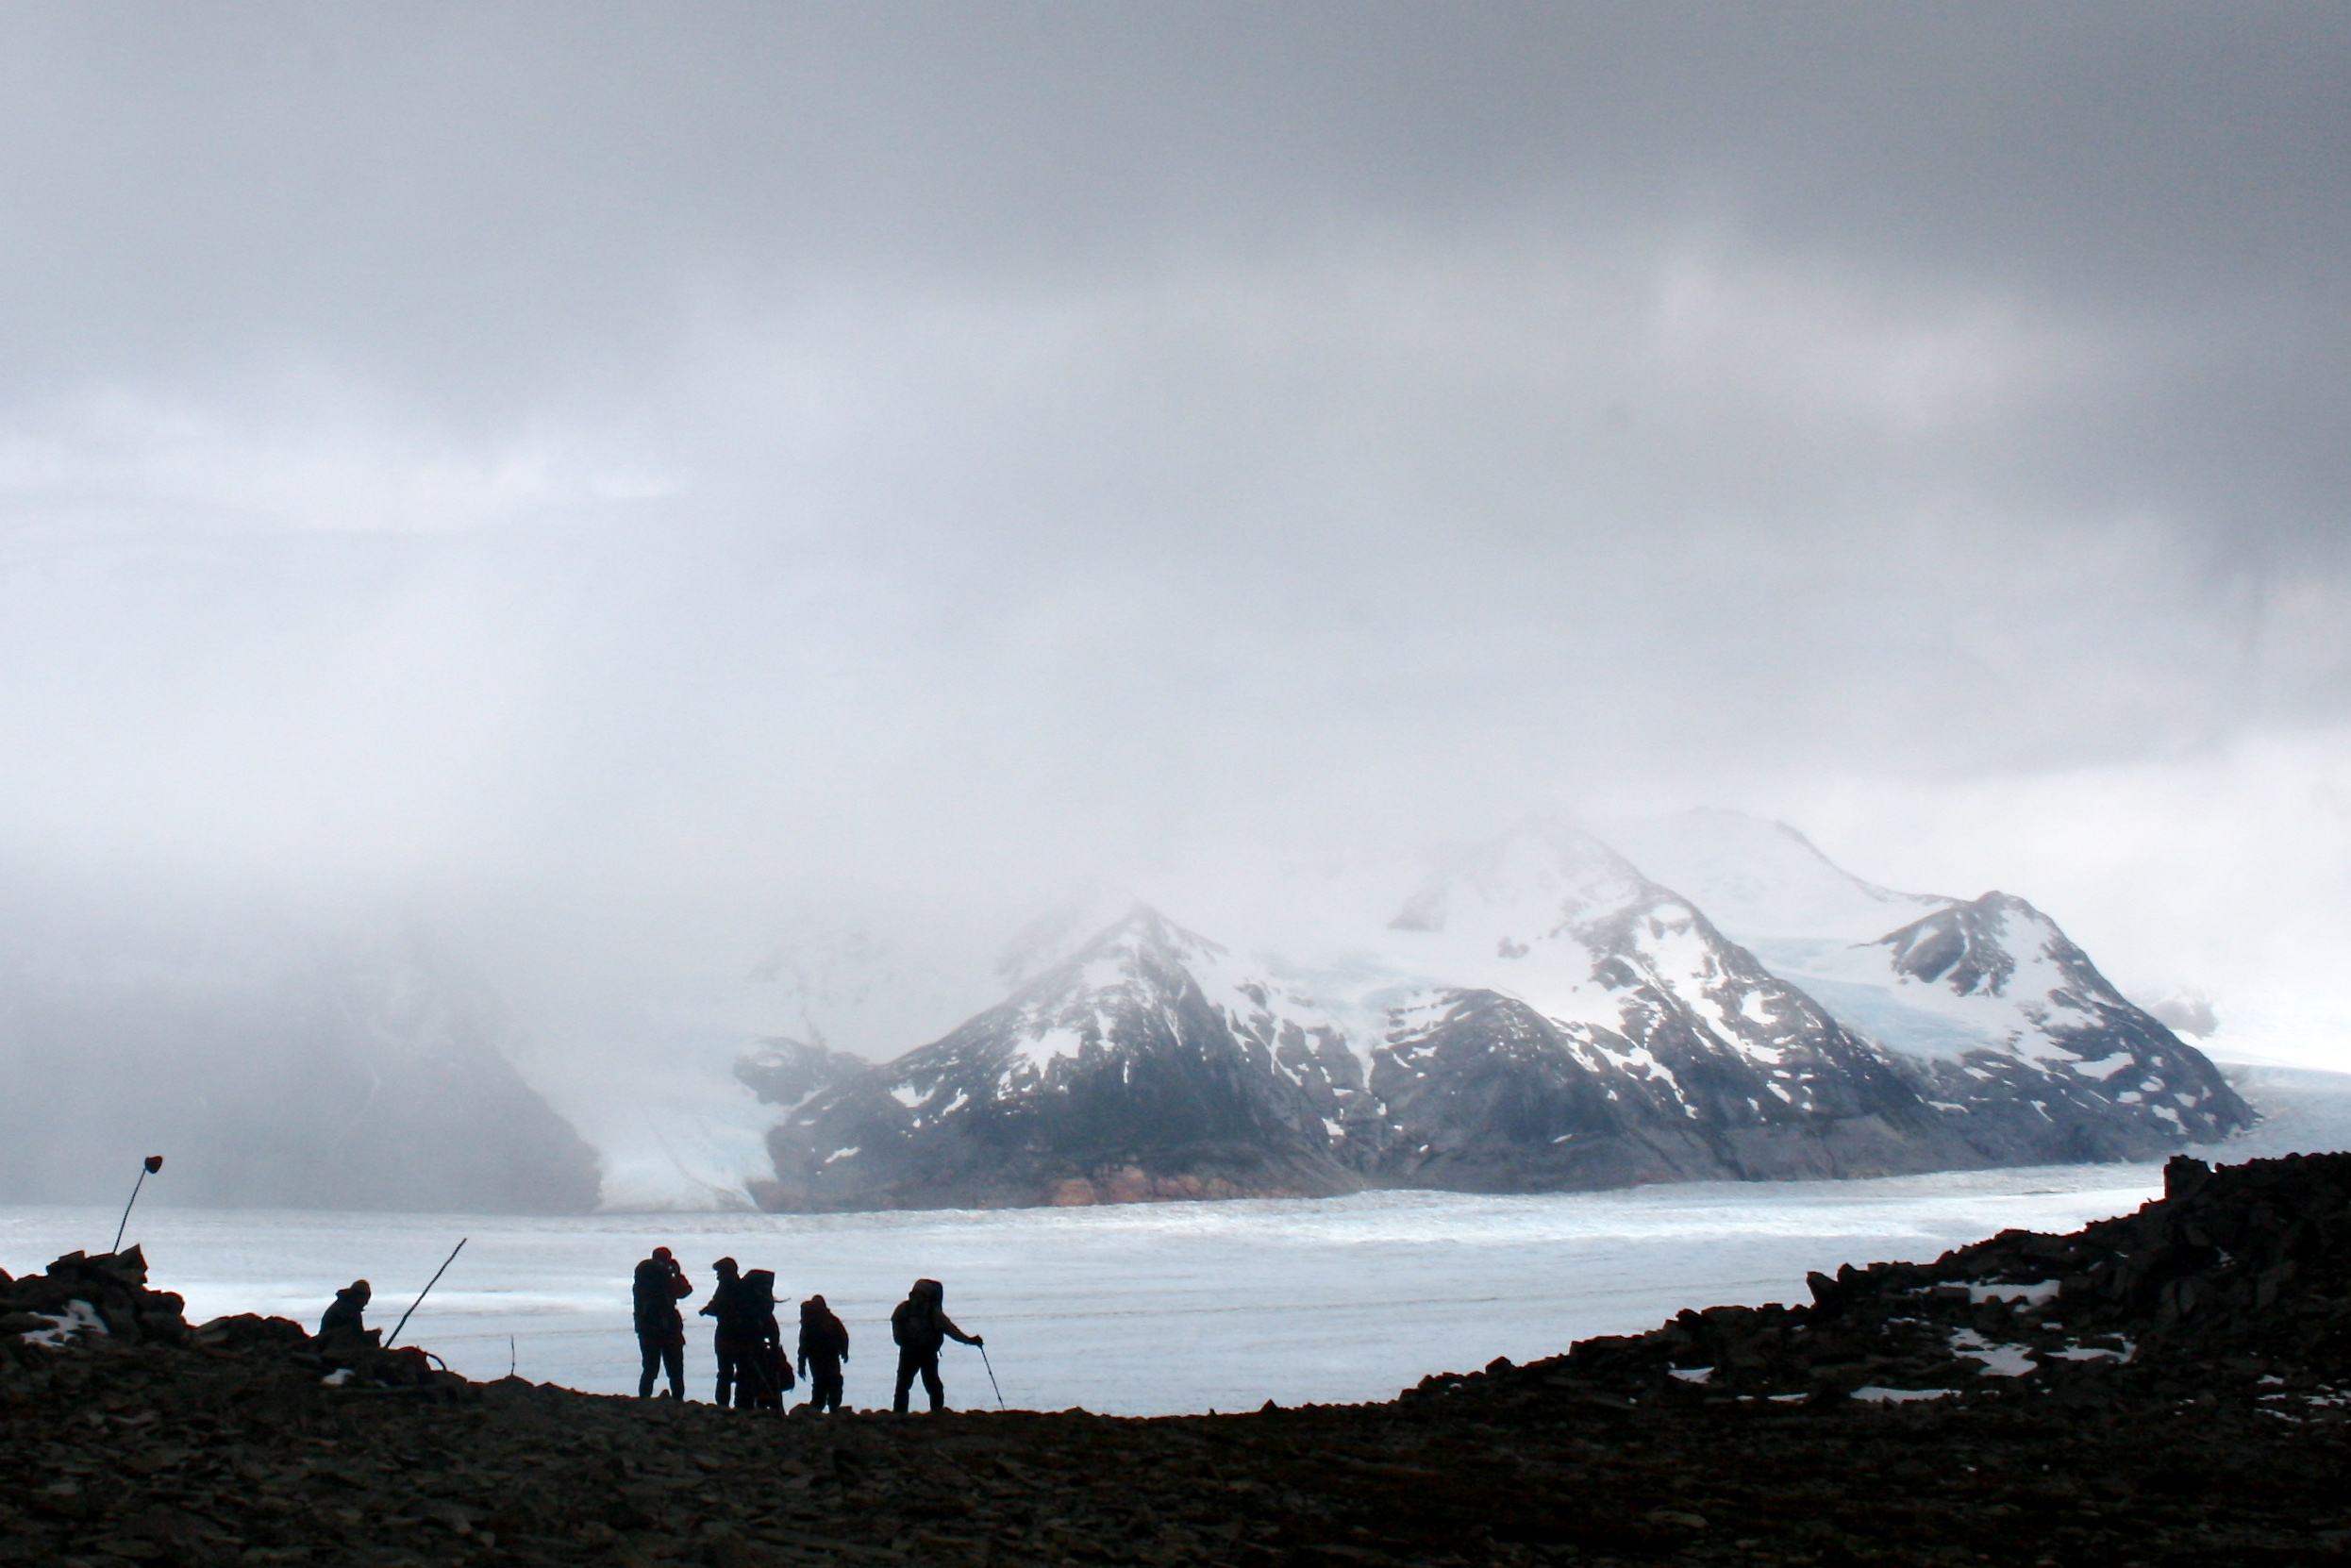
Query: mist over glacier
{"x": 701, "y": 524}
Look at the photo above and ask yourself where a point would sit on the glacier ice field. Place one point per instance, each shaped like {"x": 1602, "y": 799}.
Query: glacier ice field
{"x": 1144, "y": 1310}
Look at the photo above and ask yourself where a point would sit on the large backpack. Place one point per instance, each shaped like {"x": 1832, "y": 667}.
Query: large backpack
{"x": 915, "y": 1324}
{"x": 655, "y": 1301}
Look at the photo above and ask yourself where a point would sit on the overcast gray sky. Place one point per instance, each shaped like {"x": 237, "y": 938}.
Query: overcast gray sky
{"x": 655, "y": 480}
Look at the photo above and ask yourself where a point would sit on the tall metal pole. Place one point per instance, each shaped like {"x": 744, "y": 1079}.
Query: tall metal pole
{"x": 427, "y": 1291}
{"x": 153, "y": 1162}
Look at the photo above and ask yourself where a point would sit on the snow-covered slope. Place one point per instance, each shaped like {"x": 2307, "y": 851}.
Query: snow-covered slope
{"x": 1554, "y": 974}
{"x": 1146, "y": 1064}
{"x": 1541, "y": 1014}
{"x": 2001, "y": 1016}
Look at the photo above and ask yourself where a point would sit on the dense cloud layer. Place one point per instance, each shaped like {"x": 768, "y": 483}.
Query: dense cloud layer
{"x": 642, "y": 486}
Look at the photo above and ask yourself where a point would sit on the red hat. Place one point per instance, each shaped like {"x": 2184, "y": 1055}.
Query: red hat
{"x": 661, "y": 1253}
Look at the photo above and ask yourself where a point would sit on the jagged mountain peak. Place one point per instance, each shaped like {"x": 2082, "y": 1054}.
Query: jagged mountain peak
{"x": 1140, "y": 956}
{"x": 1972, "y": 948}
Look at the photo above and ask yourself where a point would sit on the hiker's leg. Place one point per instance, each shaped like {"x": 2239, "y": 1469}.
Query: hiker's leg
{"x": 908, "y": 1364}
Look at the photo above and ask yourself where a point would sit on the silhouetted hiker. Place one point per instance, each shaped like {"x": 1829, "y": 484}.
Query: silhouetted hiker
{"x": 824, "y": 1346}
{"x": 659, "y": 1284}
{"x": 920, "y": 1325}
{"x": 350, "y": 1308}
{"x": 761, "y": 1375}
{"x": 727, "y": 1342}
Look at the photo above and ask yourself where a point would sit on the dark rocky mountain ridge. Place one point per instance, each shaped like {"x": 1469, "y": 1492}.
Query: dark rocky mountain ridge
{"x": 2147, "y": 1087}
{"x": 1159, "y": 1094}
{"x": 1543, "y": 1018}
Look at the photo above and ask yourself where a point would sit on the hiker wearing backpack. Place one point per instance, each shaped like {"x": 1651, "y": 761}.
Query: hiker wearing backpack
{"x": 824, "y": 1346}
{"x": 920, "y": 1326}
{"x": 761, "y": 1371}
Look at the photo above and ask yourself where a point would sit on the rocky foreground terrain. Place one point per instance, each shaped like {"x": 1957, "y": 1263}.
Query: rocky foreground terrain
{"x": 2167, "y": 1388}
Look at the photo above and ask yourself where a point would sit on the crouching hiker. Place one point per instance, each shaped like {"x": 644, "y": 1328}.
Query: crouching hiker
{"x": 350, "y": 1308}
{"x": 920, "y": 1326}
{"x": 824, "y": 1346}
{"x": 658, "y": 1286}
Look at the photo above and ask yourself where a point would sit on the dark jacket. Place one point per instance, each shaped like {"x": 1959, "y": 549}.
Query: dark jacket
{"x": 749, "y": 1320}
{"x": 349, "y": 1311}
{"x": 726, "y": 1304}
{"x": 921, "y": 1323}
{"x": 656, "y": 1290}
{"x": 824, "y": 1338}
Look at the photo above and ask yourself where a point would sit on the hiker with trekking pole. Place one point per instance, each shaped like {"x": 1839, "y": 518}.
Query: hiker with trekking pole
{"x": 920, "y": 1326}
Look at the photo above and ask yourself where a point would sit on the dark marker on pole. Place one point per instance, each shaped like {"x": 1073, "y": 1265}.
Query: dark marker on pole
{"x": 427, "y": 1291}
{"x": 154, "y": 1163}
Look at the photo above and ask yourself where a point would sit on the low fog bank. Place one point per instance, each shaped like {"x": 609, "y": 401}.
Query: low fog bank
{"x": 274, "y": 1057}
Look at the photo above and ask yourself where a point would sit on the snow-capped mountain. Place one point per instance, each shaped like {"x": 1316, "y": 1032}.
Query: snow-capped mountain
{"x": 1997, "y": 1015}
{"x": 1540, "y": 1015}
{"x": 1146, "y": 1064}
{"x": 1558, "y": 977}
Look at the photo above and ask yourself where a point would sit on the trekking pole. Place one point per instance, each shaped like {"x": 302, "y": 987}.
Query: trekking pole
{"x": 991, "y": 1373}
{"x": 154, "y": 1163}
{"x": 427, "y": 1290}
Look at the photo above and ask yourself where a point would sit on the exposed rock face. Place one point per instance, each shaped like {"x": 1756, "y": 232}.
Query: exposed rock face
{"x": 2083, "y": 1075}
{"x": 1993, "y": 1012}
{"x": 81, "y": 1302}
{"x": 81, "y": 1294}
{"x": 279, "y": 1067}
{"x": 2236, "y": 1277}
{"x": 1651, "y": 1048}
{"x": 1544, "y": 1016}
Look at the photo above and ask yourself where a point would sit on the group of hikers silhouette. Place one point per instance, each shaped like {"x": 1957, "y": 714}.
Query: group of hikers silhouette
{"x": 753, "y": 1370}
